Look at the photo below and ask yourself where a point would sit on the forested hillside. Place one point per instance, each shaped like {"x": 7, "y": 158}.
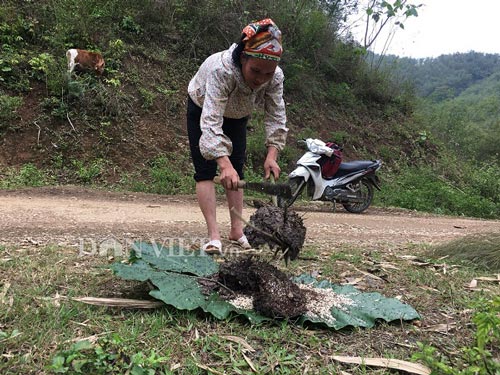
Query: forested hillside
{"x": 470, "y": 122}
{"x": 125, "y": 129}
{"x": 461, "y": 100}
{"x": 446, "y": 76}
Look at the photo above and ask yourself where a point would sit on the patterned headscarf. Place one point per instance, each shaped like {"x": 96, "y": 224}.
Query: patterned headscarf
{"x": 263, "y": 40}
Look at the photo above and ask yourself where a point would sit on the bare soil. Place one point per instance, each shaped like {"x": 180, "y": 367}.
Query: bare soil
{"x": 66, "y": 215}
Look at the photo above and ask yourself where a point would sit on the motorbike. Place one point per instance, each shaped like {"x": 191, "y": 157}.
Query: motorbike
{"x": 322, "y": 174}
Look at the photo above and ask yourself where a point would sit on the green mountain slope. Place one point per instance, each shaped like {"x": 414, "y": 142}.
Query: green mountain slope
{"x": 446, "y": 76}
{"x": 470, "y": 122}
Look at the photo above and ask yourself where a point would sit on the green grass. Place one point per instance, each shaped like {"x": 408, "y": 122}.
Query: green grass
{"x": 27, "y": 175}
{"x": 39, "y": 322}
{"x": 425, "y": 189}
{"x": 480, "y": 250}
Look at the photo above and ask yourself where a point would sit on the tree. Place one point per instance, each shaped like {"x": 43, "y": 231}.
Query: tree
{"x": 380, "y": 17}
{"x": 382, "y": 14}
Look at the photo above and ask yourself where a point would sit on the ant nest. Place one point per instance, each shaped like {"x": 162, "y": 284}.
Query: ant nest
{"x": 256, "y": 285}
{"x": 278, "y": 228}
{"x": 319, "y": 303}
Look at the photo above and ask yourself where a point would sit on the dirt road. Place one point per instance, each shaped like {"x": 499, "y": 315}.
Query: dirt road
{"x": 66, "y": 215}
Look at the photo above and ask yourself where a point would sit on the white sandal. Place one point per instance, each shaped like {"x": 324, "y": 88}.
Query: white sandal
{"x": 213, "y": 247}
{"x": 243, "y": 242}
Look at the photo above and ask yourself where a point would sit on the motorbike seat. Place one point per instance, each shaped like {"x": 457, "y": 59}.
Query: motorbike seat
{"x": 353, "y": 166}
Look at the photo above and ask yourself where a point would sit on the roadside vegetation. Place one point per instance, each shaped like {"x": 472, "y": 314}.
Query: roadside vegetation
{"x": 126, "y": 129}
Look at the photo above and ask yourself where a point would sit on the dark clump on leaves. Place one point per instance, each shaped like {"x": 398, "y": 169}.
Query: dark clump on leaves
{"x": 278, "y": 228}
{"x": 275, "y": 295}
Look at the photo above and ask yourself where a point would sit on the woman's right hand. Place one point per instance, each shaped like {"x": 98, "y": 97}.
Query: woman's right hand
{"x": 228, "y": 176}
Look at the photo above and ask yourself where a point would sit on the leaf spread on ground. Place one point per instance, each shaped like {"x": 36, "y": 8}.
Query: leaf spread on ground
{"x": 176, "y": 273}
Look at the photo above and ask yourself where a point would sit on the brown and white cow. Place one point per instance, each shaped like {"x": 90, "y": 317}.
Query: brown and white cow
{"x": 84, "y": 60}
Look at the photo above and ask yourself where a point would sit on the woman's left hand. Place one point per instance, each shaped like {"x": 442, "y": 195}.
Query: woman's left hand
{"x": 270, "y": 164}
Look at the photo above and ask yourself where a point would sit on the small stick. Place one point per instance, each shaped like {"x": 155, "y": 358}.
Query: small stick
{"x": 72, "y": 126}
{"x": 218, "y": 283}
{"x": 284, "y": 253}
{"x": 39, "y": 130}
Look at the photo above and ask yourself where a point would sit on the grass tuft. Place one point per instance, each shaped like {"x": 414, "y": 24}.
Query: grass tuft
{"x": 481, "y": 250}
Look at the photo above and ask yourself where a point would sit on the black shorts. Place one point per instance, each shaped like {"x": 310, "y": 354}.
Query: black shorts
{"x": 234, "y": 129}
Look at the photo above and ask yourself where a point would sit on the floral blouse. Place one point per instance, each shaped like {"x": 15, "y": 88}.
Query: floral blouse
{"x": 220, "y": 90}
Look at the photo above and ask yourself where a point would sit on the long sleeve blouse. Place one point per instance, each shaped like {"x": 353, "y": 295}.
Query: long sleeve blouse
{"x": 220, "y": 90}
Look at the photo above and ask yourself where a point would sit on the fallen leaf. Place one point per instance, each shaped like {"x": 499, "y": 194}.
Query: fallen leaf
{"x": 388, "y": 265}
{"x": 353, "y": 280}
{"x": 3, "y": 293}
{"x": 408, "y": 257}
{"x": 209, "y": 369}
{"x": 369, "y": 274}
{"x": 413, "y": 368}
{"x": 420, "y": 264}
{"x": 250, "y": 363}
{"x": 92, "y": 339}
{"x": 241, "y": 341}
{"x": 484, "y": 278}
{"x": 443, "y": 328}
{"x": 206, "y": 368}
{"x": 120, "y": 302}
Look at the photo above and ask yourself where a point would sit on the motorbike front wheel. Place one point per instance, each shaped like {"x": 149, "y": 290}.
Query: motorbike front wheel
{"x": 365, "y": 192}
{"x": 297, "y": 184}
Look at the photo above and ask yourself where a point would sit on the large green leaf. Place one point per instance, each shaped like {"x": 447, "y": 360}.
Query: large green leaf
{"x": 175, "y": 259}
{"x": 171, "y": 272}
{"x": 139, "y": 270}
{"x": 175, "y": 274}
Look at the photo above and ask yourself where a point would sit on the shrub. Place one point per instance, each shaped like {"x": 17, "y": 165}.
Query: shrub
{"x": 27, "y": 176}
{"x": 109, "y": 355}
{"x": 90, "y": 172}
{"x": 163, "y": 176}
{"x": 8, "y": 109}
{"x": 421, "y": 188}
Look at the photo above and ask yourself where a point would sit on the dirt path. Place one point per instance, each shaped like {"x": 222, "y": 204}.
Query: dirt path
{"x": 70, "y": 215}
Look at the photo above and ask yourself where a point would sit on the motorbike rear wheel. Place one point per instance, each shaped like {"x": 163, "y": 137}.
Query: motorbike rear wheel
{"x": 365, "y": 192}
{"x": 297, "y": 185}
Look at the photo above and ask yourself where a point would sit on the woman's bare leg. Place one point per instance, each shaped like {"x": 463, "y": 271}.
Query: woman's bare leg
{"x": 205, "y": 192}
{"x": 235, "y": 199}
